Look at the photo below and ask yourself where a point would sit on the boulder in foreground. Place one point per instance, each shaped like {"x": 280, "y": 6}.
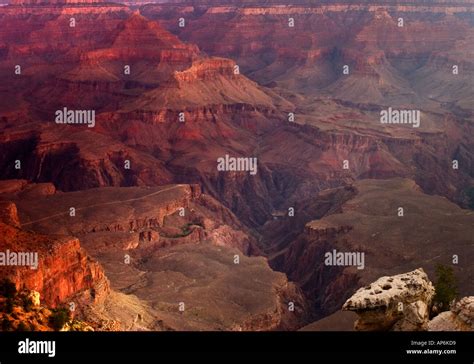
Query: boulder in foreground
{"x": 398, "y": 303}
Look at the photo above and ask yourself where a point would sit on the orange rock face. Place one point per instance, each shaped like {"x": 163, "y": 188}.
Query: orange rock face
{"x": 64, "y": 271}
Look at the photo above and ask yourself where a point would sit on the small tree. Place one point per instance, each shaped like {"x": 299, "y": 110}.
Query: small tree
{"x": 59, "y": 318}
{"x": 22, "y": 327}
{"x": 27, "y": 303}
{"x": 445, "y": 286}
{"x": 470, "y": 197}
{"x": 9, "y": 305}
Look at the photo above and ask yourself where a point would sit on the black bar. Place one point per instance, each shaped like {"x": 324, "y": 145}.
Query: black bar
{"x": 383, "y": 346}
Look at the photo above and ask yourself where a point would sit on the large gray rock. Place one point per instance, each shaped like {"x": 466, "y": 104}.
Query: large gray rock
{"x": 399, "y": 303}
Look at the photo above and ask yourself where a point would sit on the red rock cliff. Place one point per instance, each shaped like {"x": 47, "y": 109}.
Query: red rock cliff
{"x": 64, "y": 273}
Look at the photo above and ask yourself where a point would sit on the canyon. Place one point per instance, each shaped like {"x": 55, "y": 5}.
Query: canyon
{"x": 418, "y": 238}
{"x": 154, "y": 257}
{"x": 156, "y": 224}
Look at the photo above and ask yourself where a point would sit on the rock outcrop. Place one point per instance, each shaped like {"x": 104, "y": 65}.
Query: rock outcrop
{"x": 398, "y": 303}
{"x": 63, "y": 272}
{"x": 150, "y": 218}
{"x": 459, "y": 318}
{"x": 23, "y": 311}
